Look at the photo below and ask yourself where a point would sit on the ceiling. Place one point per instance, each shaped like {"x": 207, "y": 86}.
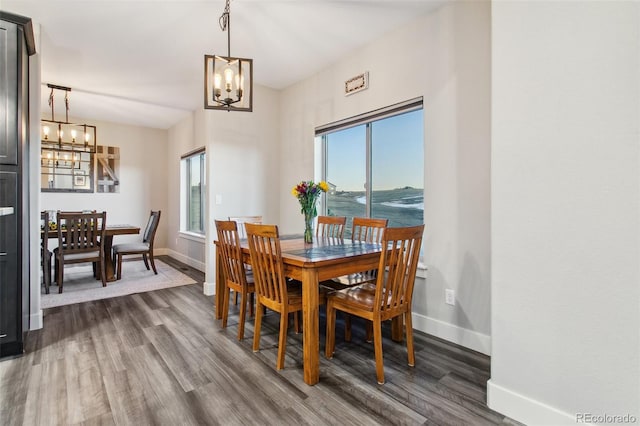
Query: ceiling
{"x": 142, "y": 62}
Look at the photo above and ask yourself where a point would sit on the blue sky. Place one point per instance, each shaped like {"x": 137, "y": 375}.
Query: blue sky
{"x": 397, "y": 154}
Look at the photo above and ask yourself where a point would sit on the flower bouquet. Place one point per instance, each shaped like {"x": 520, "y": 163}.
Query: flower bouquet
{"x": 307, "y": 192}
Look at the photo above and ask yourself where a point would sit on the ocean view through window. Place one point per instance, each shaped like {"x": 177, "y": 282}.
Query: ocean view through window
{"x": 374, "y": 165}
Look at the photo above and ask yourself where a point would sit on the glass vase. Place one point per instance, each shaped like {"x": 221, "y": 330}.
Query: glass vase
{"x": 308, "y": 227}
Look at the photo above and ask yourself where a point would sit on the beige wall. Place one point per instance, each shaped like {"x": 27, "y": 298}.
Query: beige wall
{"x": 445, "y": 58}
{"x": 143, "y": 154}
{"x": 566, "y": 211}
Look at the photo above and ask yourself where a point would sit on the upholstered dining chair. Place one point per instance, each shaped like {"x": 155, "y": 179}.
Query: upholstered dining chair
{"x": 331, "y": 226}
{"x": 273, "y": 291}
{"x": 235, "y": 272}
{"x": 388, "y": 298}
{"x": 80, "y": 237}
{"x": 45, "y": 253}
{"x": 144, "y": 248}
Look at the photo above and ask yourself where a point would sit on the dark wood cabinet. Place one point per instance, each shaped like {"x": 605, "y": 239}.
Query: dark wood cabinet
{"x": 16, "y": 44}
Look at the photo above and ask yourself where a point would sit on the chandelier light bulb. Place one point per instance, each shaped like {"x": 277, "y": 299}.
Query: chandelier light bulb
{"x": 228, "y": 78}
{"x": 73, "y": 135}
{"x": 45, "y": 130}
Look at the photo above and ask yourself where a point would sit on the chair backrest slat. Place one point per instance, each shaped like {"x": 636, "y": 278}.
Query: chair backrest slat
{"x": 331, "y": 226}
{"x": 368, "y": 230}
{"x": 81, "y": 232}
{"x": 400, "y": 255}
{"x": 229, "y": 245}
{"x": 266, "y": 262}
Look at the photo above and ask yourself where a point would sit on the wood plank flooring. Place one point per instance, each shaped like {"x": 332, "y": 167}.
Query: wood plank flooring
{"x": 161, "y": 358}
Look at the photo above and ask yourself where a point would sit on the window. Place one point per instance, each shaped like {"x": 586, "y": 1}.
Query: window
{"x": 193, "y": 184}
{"x": 374, "y": 165}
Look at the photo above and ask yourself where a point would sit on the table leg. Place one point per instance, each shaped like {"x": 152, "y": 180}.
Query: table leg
{"x": 219, "y": 284}
{"x": 310, "y": 326}
{"x": 108, "y": 259}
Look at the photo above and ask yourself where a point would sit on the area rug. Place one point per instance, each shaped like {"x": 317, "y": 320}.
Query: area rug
{"x": 80, "y": 286}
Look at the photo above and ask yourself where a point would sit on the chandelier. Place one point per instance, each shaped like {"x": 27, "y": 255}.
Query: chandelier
{"x": 63, "y": 135}
{"x": 228, "y": 81}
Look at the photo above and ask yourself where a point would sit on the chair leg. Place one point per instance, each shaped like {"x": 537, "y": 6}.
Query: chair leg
{"x": 243, "y": 315}
{"x": 410, "y": 352}
{"x": 296, "y": 322}
{"x": 46, "y": 275}
{"x": 251, "y": 303}
{"x": 282, "y": 340}
{"x": 256, "y": 328}
{"x": 225, "y": 306}
{"x": 368, "y": 326}
{"x": 146, "y": 261}
{"x": 377, "y": 349}
{"x": 119, "y": 267}
{"x": 235, "y": 298}
{"x": 330, "y": 339}
{"x": 59, "y": 276}
{"x": 347, "y": 327}
{"x": 153, "y": 263}
{"x": 103, "y": 273}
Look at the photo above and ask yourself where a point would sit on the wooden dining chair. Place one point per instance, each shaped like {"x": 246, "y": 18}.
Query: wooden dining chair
{"x": 80, "y": 237}
{"x": 331, "y": 226}
{"x": 235, "y": 272}
{"x": 45, "y": 253}
{"x": 388, "y": 298}
{"x": 241, "y": 220}
{"x": 273, "y": 291}
{"x": 144, "y": 248}
{"x": 366, "y": 230}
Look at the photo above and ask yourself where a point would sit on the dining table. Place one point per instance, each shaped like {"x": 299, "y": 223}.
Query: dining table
{"x": 311, "y": 263}
{"x": 109, "y": 232}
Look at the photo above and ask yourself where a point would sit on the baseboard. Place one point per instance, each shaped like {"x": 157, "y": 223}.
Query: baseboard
{"x": 209, "y": 289}
{"x": 35, "y": 320}
{"x": 200, "y": 266}
{"x": 524, "y": 409}
{"x": 461, "y": 336}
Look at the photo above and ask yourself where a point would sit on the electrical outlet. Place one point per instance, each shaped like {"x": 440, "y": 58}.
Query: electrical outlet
{"x": 449, "y": 297}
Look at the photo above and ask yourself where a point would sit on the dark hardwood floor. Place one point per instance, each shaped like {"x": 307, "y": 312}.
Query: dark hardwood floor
{"x": 162, "y": 358}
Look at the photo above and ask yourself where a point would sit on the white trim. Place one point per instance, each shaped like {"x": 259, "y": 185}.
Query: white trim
{"x": 200, "y": 266}
{"x": 192, "y": 236}
{"x": 524, "y": 409}
{"x": 461, "y": 336}
{"x": 208, "y": 289}
{"x": 421, "y": 271}
{"x": 35, "y": 320}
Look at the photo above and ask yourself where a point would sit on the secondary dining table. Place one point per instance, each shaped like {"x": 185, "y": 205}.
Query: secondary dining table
{"x": 109, "y": 233}
{"x": 311, "y": 263}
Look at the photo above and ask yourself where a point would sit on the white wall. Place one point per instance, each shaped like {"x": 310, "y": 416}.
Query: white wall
{"x": 184, "y": 137}
{"x": 566, "y": 216}
{"x": 243, "y": 171}
{"x": 444, "y": 57}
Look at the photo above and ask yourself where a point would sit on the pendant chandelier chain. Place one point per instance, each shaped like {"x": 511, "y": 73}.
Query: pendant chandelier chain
{"x": 225, "y": 25}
